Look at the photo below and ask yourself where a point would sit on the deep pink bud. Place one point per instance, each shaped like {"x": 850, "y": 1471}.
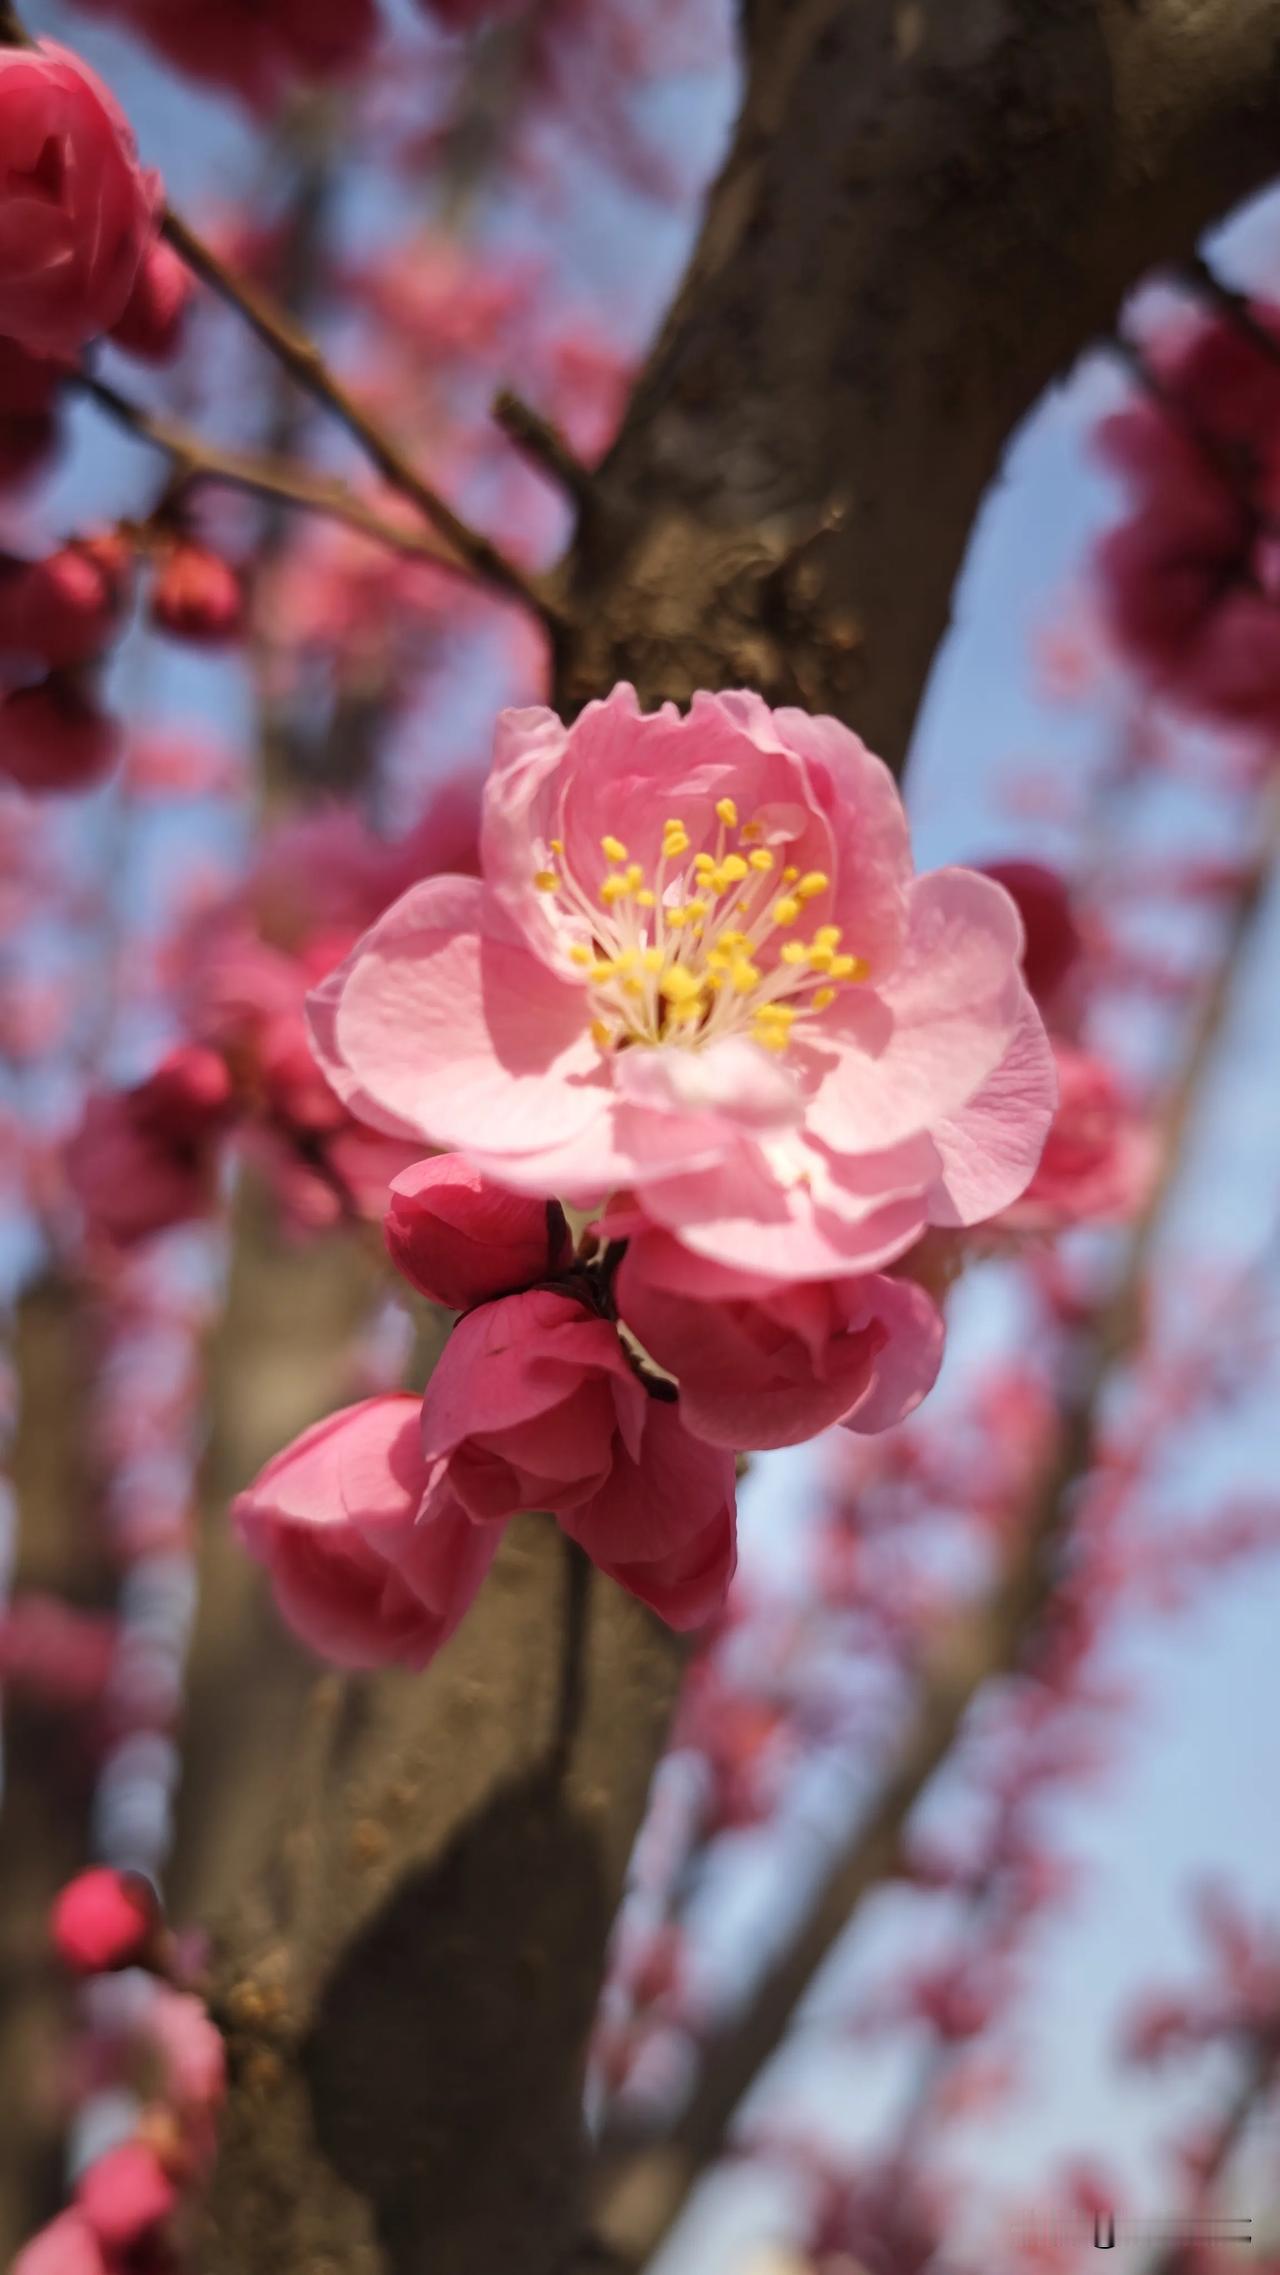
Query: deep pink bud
{"x": 189, "y": 1094}
{"x": 197, "y": 596}
{"x": 1052, "y": 934}
{"x": 76, "y": 210}
{"x": 155, "y": 312}
{"x": 63, "y": 610}
{"x": 54, "y": 737}
{"x": 103, "y": 1920}
{"x": 126, "y": 2196}
{"x": 461, "y": 1241}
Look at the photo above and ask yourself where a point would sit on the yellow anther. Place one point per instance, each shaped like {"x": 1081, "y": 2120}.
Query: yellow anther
{"x": 786, "y": 910}
{"x": 848, "y": 968}
{"x": 743, "y": 976}
{"x": 790, "y": 874}
{"x": 601, "y": 1032}
{"x": 675, "y": 839}
{"x": 546, "y": 880}
{"x": 580, "y": 955}
{"x": 646, "y": 899}
{"x": 771, "y": 1038}
{"x": 603, "y": 969}
{"x": 794, "y": 952}
{"x": 811, "y": 884}
{"x": 626, "y": 960}
{"x": 653, "y": 959}
{"x": 679, "y": 986}
{"x": 822, "y": 996}
{"x": 704, "y": 865}
{"x": 727, "y": 812}
{"x": 776, "y": 1014}
{"x": 732, "y": 940}
{"x": 634, "y": 876}
{"x": 557, "y": 844}
{"x": 677, "y": 918}
{"x": 761, "y": 859}
{"x": 827, "y": 936}
{"x": 613, "y": 849}
{"x": 751, "y": 830}
{"x": 613, "y": 889}
{"x": 733, "y": 869}
{"x": 714, "y": 982}
{"x": 633, "y": 987}
{"x": 822, "y": 959}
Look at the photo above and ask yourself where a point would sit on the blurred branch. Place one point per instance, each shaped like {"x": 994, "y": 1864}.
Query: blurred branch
{"x": 543, "y": 443}
{"x": 197, "y": 460}
{"x": 298, "y": 354}
{"x": 643, "y": 2187}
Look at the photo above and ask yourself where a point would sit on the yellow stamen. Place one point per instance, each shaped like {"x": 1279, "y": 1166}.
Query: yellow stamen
{"x": 613, "y": 889}
{"x": 675, "y": 840}
{"x": 580, "y": 955}
{"x": 733, "y": 869}
{"x": 704, "y": 864}
{"x": 646, "y": 899}
{"x": 811, "y": 885}
{"x": 822, "y": 996}
{"x": 653, "y": 959}
{"x": 679, "y": 986}
{"x": 613, "y": 849}
{"x": 822, "y": 959}
{"x": 603, "y": 970}
{"x": 751, "y": 830}
{"x": 848, "y": 968}
{"x": 761, "y": 859}
{"x": 743, "y": 976}
{"x": 601, "y": 1032}
{"x": 546, "y": 880}
{"x": 786, "y": 910}
{"x": 557, "y": 845}
{"x": 827, "y": 936}
{"x": 728, "y": 812}
{"x": 794, "y": 952}
{"x": 790, "y": 874}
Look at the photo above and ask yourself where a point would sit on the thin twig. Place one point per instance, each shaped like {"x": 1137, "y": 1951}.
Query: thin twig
{"x": 197, "y": 460}
{"x": 573, "y": 1637}
{"x": 543, "y": 442}
{"x": 298, "y": 354}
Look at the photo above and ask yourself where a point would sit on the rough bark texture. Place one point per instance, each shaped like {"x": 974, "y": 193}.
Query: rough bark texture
{"x": 931, "y": 205}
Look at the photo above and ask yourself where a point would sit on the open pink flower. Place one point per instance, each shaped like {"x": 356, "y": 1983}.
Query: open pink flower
{"x": 535, "y": 1405}
{"x": 361, "y": 1570}
{"x": 699, "y": 967}
{"x": 760, "y": 1363}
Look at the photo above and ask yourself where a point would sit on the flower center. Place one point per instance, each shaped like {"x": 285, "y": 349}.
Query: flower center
{"x": 710, "y": 945}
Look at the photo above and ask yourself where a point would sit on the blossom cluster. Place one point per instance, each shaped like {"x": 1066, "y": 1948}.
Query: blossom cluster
{"x": 699, "y": 994}
{"x": 129, "y": 2200}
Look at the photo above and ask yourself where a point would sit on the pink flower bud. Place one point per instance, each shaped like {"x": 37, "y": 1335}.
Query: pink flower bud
{"x": 155, "y": 312}
{"x": 197, "y": 596}
{"x": 147, "y": 1158}
{"x": 103, "y": 1920}
{"x": 53, "y": 737}
{"x": 67, "y": 2246}
{"x": 63, "y": 610}
{"x": 76, "y": 210}
{"x": 126, "y": 2196}
{"x": 189, "y": 1094}
{"x": 460, "y": 1240}
{"x": 361, "y": 1569}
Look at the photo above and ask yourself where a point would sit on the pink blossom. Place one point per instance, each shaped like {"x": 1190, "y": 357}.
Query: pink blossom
{"x": 76, "y": 210}
{"x": 67, "y": 2246}
{"x": 64, "y": 610}
{"x": 191, "y": 2050}
{"x": 761, "y": 1363}
{"x": 126, "y": 2196}
{"x": 1099, "y": 1157}
{"x": 155, "y": 313}
{"x": 148, "y": 1157}
{"x": 362, "y": 1570}
{"x": 104, "y": 1919}
{"x": 535, "y": 1405}
{"x": 461, "y": 1240}
{"x": 53, "y": 737}
{"x": 699, "y": 966}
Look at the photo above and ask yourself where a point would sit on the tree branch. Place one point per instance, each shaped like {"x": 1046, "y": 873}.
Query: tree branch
{"x": 641, "y": 2193}
{"x": 195, "y": 459}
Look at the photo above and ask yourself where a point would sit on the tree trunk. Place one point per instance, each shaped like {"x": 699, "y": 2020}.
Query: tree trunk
{"x": 930, "y": 207}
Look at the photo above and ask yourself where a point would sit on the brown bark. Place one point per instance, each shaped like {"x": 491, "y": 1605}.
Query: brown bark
{"x": 931, "y": 205}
